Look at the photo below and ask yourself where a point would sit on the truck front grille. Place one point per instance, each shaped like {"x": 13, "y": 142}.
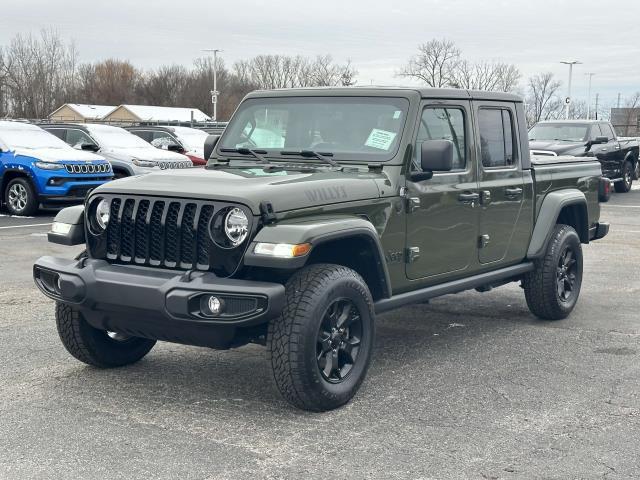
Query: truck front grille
{"x": 164, "y": 232}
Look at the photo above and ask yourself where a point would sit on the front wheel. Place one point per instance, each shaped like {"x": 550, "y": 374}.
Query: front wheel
{"x": 320, "y": 346}
{"x": 99, "y": 348}
{"x": 20, "y": 197}
{"x": 553, "y": 287}
{"x": 624, "y": 185}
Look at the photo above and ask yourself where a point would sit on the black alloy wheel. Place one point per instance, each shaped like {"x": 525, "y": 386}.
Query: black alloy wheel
{"x": 566, "y": 274}
{"x": 338, "y": 342}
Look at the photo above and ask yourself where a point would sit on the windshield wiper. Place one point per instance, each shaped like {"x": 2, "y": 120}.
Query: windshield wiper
{"x": 247, "y": 151}
{"x": 313, "y": 154}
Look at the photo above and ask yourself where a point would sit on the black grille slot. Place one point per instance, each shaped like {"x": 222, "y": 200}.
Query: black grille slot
{"x": 113, "y": 230}
{"x": 156, "y": 233}
{"x": 142, "y": 232}
{"x": 203, "y": 235}
{"x": 188, "y": 238}
{"x": 127, "y": 230}
{"x": 166, "y": 233}
{"x": 172, "y": 234}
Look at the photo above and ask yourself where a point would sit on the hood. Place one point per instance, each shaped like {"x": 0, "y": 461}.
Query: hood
{"x": 152, "y": 153}
{"x": 285, "y": 189}
{"x": 560, "y": 148}
{"x": 58, "y": 154}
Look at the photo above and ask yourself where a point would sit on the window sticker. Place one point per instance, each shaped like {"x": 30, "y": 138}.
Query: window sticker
{"x": 396, "y": 114}
{"x": 380, "y": 139}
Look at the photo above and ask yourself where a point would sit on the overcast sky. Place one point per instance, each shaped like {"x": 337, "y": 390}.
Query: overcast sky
{"x": 378, "y": 36}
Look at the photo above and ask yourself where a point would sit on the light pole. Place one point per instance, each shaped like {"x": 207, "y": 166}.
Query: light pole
{"x": 568, "y": 99}
{"x": 589, "y": 96}
{"x": 214, "y": 92}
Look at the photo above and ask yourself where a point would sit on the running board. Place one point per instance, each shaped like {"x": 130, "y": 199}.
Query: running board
{"x": 455, "y": 286}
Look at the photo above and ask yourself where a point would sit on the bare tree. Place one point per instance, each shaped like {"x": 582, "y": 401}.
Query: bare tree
{"x": 165, "y": 86}
{"x": 631, "y": 114}
{"x": 434, "y": 65}
{"x": 542, "y": 99}
{"x": 110, "y": 82}
{"x": 494, "y": 76}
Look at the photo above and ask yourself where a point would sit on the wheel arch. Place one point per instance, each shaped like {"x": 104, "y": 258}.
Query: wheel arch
{"x": 347, "y": 240}
{"x": 568, "y": 207}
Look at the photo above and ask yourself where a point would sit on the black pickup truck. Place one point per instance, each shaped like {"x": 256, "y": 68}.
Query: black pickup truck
{"x": 589, "y": 138}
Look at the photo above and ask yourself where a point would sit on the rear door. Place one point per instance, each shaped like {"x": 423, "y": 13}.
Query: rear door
{"x": 609, "y": 154}
{"x": 442, "y": 218}
{"x": 501, "y": 184}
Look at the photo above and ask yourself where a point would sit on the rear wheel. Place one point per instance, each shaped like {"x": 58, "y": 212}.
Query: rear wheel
{"x": 20, "y": 197}
{"x": 99, "y": 348}
{"x": 625, "y": 184}
{"x": 553, "y": 287}
{"x": 320, "y": 347}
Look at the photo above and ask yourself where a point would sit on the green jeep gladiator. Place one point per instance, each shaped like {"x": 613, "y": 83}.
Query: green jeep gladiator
{"x": 318, "y": 210}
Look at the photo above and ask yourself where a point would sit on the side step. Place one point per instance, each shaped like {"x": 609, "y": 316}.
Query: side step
{"x": 477, "y": 281}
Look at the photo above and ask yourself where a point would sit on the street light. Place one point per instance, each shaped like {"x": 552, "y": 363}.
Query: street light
{"x": 589, "y": 96}
{"x": 214, "y": 92}
{"x": 568, "y": 99}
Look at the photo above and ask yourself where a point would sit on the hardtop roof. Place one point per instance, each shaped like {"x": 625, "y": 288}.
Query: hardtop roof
{"x": 386, "y": 91}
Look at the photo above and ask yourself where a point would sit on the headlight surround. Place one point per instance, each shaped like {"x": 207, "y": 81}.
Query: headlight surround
{"x": 102, "y": 213}
{"x": 236, "y": 226}
{"x": 49, "y": 165}
{"x": 143, "y": 163}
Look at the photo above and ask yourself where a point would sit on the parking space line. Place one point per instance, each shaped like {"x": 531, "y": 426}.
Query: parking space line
{"x": 26, "y": 226}
{"x": 620, "y": 206}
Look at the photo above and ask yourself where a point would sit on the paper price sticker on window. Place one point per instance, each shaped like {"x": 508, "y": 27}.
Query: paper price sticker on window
{"x": 380, "y": 139}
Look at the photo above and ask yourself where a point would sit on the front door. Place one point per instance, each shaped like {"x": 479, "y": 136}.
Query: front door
{"x": 442, "y": 218}
{"x": 500, "y": 179}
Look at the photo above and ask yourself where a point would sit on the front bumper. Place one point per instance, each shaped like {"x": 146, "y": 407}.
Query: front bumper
{"x": 600, "y": 230}
{"x": 156, "y": 303}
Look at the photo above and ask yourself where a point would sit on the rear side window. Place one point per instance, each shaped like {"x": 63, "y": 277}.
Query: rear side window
{"x": 497, "y": 145}
{"x": 438, "y": 123}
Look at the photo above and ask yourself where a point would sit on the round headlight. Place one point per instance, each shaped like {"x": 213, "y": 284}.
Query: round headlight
{"x": 236, "y": 226}
{"x": 102, "y": 213}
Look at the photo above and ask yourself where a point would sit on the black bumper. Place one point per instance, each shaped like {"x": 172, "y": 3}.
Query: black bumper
{"x": 599, "y": 231}
{"x": 155, "y": 303}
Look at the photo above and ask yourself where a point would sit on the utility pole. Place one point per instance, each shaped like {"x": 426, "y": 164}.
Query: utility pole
{"x": 567, "y": 100}
{"x": 589, "y": 96}
{"x": 597, "y": 97}
{"x": 618, "y": 104}
{"x": 214, "y": 92}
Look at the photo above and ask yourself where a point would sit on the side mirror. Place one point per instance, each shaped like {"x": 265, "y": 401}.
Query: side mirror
{"x": 435, "y": 156}
{"x": 175, "y": 148}
{"x": 209, "y": 144}
{"x": 90, "y": 147}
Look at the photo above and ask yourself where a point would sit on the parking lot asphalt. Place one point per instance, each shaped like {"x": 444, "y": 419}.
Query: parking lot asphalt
{"x": 468, "y": 386}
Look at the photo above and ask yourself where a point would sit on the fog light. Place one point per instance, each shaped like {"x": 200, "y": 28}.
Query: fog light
{"x": 215, "y": 305}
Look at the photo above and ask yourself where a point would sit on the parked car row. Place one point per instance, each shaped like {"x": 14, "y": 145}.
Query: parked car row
{"x": 58, "y": 163}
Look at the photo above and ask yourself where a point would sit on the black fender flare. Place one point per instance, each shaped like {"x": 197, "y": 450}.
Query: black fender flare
{"x": 318, "y": 231}
{"x": 548, "y": 215}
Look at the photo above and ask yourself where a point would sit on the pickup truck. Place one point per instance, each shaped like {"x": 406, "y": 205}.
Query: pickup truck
{"x": 359, "y": 201}
{"x": 38, "y": 169}
{"x": 589, "y": 138}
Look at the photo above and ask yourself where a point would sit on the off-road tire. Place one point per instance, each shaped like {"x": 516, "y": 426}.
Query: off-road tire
{"x": 25, "y": 186}
{"x": 292, "y": 337}
{"x": 541, "y": 285}
{"x": 625, "y": 184}
{"x": 95, "y": 347}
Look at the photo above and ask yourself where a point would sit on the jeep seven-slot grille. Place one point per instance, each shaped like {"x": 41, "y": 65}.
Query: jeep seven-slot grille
{"x": 166, "y": 233}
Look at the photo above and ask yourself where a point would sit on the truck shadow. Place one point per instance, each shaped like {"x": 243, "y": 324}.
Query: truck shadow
{"x": 411, "y": 340}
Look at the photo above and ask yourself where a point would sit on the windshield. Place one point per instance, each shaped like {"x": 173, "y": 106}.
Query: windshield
{"x": 30, "y": 137}
{"x": 567, "y": 132}
{"x": 192, "y": 139}
{"x": 350, "y": 128}
{"x": 115, "y": 137}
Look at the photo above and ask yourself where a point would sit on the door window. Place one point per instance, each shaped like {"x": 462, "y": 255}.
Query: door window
{"x": 77, "y": 138}
{"x": 163, "y": 140}
{"x": 438, "y": 123}
{"x": 606, "y": 131}
{"x": 497, "y": 145}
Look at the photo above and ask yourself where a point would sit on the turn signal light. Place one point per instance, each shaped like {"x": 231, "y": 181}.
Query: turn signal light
{"x": 282, "y": 250}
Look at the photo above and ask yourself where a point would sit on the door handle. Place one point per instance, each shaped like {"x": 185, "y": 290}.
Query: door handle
{"x": 468, "y": 198}
{"x": 513, "y": 192}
